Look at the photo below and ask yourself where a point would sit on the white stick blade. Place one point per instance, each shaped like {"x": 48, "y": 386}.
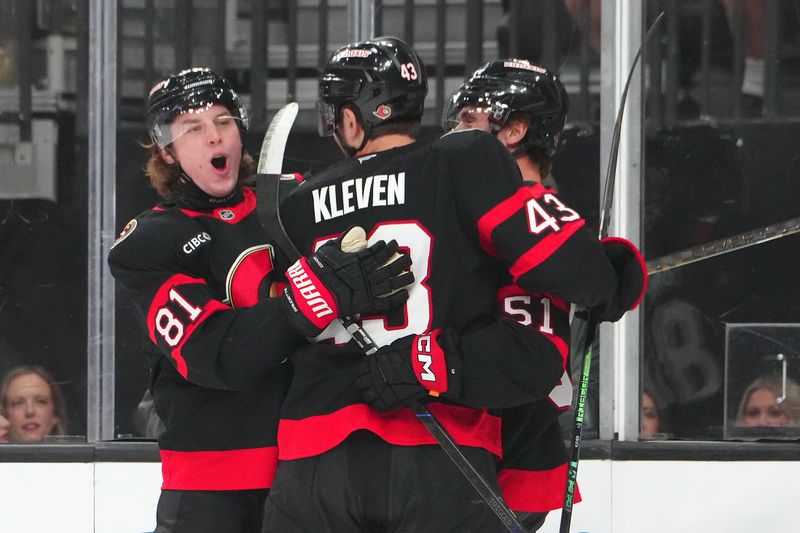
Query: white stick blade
{"x": 270, "y": 160}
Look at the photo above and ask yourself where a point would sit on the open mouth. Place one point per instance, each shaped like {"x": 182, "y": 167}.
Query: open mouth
{"x": 219, "y": 162}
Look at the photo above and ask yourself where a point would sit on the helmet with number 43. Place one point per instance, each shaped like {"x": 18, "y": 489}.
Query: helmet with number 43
{"x": 382, "y": 79}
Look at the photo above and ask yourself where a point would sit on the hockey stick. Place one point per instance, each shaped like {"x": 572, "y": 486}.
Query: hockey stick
{"x": 724, "y": 246}
{"x": 268, "y": 209}
{"x": 591, "y": 318}
{"x": 270, "y": 160}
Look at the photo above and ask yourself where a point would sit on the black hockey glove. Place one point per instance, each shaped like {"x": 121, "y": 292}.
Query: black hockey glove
{"x": 332, "y": 283}
{"x": 411, "y": 369}
{"x": 631, "y": 273}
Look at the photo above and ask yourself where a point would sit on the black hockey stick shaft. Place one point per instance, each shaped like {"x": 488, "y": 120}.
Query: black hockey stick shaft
{"x": 268, "y": 191}
{"x": 445, "y": 440}
{"x": 591, "y": 319}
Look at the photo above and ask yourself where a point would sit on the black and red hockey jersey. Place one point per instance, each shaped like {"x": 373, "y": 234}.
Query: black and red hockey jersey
{"x": 532, "y": 473}
{"x": 456, "y": 205}
{"x": 200, "y": 275}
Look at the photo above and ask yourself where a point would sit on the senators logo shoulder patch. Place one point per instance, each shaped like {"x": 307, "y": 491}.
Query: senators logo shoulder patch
{"x": 127, "y": 230}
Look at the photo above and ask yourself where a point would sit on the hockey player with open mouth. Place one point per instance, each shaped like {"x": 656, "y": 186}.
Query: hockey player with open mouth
{"x": 200, "y": 269}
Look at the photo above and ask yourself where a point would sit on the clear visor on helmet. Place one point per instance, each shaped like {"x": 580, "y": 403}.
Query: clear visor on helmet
{"x": 340, "y": 86}
{"x": 170, "y": 125}
{"x": 474, "y": 111}
{"x": 326, "y": 118}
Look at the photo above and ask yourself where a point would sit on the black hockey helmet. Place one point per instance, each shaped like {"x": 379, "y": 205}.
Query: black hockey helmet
{"x": 185, "y": 91}
{"x": 500, "y": 88}
{"x": 382, "y": 78}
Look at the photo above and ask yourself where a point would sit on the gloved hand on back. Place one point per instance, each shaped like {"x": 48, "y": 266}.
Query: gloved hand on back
{"x": 333, "y": 283}
{"x": 411, "y": 369}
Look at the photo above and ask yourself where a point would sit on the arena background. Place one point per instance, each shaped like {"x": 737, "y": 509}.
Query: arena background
{"x": 700, "y": 160}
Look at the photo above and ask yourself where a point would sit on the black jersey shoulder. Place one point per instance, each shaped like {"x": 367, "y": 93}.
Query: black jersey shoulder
{"x": 482, "y": 169}
{"x": 153, "y": 236}
{"x": 469, "y": 143}
{"x": 476, "y": 150}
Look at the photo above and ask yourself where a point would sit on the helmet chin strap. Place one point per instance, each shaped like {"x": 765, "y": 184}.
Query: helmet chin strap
{"x": 522, "y": 147}
{"x": 346, "y": 149}
{"x": 184, "y": 177}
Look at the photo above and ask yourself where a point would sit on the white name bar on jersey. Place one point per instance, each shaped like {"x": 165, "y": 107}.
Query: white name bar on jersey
{"x": 358, "y": 193}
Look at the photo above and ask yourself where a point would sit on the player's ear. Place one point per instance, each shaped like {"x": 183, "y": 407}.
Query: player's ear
{"x": 349, "y": 119}
{"x": 350, "y": 127}
{"x": 166, "y": 156}
{"x": 514, "y": 131}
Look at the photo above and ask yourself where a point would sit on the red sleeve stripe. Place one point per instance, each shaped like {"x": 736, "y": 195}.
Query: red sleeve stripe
{"x": 162, "y": 297}
{"x": 561, "y": 345}
{"x": 251, "y": 468}
{"x": 160, "y": 300}
{"x": 315, "y": 435}
{"x": 543, "y": 249}
{"x": 500, "y": 213}
{"x": 535, "y": 491}
{"x": 177, "y": 353}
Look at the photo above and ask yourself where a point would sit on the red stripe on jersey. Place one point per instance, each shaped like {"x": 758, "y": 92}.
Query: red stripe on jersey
{"x": 177, "y": 353}
{"x": 317, "y": 434}
{"x": 535, "y": 491}
{"x": 162, "y": 297}
{"x": 543, "y": 249}
{"x": 516, "y": 290}
{"x": 240, "y": 210}
{"x": 251, "y": 468}
{"x": 499, "y": 214}
{"x": 561, "y": 344}
{"x": 160, "y": 301}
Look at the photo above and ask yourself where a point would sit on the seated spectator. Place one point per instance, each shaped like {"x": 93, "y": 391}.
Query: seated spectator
{"x": 4, "y": 424}
{"x": 766, "y": 403}
{"x": 33, "y": 405}
{"x": 653, "y": 423}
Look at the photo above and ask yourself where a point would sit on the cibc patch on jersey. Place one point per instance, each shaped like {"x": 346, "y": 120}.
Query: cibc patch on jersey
{"x": 127, "y": 230}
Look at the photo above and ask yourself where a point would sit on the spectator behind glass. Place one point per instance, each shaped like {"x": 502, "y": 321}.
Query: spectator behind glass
{"x": 760, "y": 405}
{"x": 33, "y": 405}
{"x": 653, "y": 422}
{"x": 4, "y": 424}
